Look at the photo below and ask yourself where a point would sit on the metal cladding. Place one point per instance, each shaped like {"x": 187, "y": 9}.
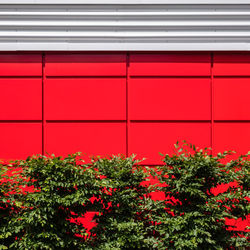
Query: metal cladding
{"x": 144, "y": 25}
{"x": 104, "y": 103}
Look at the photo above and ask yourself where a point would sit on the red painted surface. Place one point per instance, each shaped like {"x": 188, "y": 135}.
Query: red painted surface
{"x": 231, "y": 64}
{"x": 232, "y": 136}
{"x": 124, "y": 102}
{"x": 156, "y": 99}
{"x": 91, "y": 138}
{"x": 110, "y": 103}
{"x": 21, "y": 99}
{"x": 85, "y": 99}
{"x": 86, "y": 64}
{"x": 16, "y": 64}
{"x": 149, "y": 139}
{"x": 231, "y": 98}
{"x": 19, "y": 140}
{"x": 170, "y": 64}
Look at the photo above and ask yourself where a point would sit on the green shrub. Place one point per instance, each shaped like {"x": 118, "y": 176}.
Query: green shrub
{"x": 4, "y": 207}
{"x": 63, "y": 189}
{"x": 125, "y": 221}
{"x": 60, "y": 188}
{"x": 9, "y": 202}
{"x": 195, "y": 217}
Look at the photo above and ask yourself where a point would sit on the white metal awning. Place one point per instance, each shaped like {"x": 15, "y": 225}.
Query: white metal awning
{"x": 124, "y": 2}
{"x": 124, "y": 25}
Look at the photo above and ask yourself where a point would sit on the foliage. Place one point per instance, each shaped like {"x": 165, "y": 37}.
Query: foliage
{"x": 63, "y": 189}
{"x": 60, "y": 188}
{"x": 124, "y": 221}
{"x": 195, "y": 217}
{"x": 9, "y": 197}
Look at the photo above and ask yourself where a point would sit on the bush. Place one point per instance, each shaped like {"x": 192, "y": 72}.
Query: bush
{"x": 195, "y": 217}
{"x": 124, "y": 221}
{"x": 63, "y": 189}
{"x": 9, "y": 202}
{"x": 60, "y": 188}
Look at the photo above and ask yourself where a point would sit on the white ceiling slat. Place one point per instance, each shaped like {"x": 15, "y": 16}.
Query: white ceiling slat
{"x": 158, "y": 25}
{"x": 124, "y": 2}
{"x": 129, "y": 14}
{"x": 124, "y": 34}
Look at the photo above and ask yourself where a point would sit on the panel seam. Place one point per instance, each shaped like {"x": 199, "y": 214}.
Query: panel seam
{"x": 127, "y": 105}
{"x": 212, "y": 103}
{"x": 43, "y": 103}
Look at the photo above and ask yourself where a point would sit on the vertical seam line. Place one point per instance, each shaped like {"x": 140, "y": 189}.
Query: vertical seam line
{"x": 43, "y": 102}
{"x": 212, "y": 103}
{"x": 127, "y": 104}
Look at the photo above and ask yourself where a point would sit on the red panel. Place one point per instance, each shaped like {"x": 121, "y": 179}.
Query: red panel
{"x": 20, "y": 64}
{"x": 229, "y": 64}
{"x": 94, "y": 64}
{"x": 174, "y": 99}
{"x": 89, "y": 138}
{"x": 170, "y": 64}
{"x": 231, "y": 99}
{"x": 86, "y": 99}
{"x": 148, "y": 139}
{"x": 21, "y": 99}
{"x": 232, "y": 136}
{"x": 19, "y": 140}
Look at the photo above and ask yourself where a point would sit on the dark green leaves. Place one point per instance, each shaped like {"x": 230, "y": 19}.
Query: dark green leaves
{"x": 62, "y": 189}
{"x": 197, "y": 218}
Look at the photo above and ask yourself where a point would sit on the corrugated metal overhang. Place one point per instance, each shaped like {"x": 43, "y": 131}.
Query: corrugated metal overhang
{"x": 146, "y": 25}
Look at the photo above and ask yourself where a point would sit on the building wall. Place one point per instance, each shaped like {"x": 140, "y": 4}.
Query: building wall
{"x": 125, "y": 101}
{"x": 103, "y": 103}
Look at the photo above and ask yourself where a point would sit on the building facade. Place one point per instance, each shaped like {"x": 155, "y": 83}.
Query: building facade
{"x": 107, "y": 77}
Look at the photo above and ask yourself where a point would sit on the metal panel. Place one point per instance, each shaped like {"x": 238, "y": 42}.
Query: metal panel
{"x": 85, "y": 99}
{"x": 86, "y": 64}
{"x": 90, "y": 138}
{"x": 157, "y": 99}
{"x": 13, "y": 64}
{"x": 232, "y": 136}
{"x": 170, "y": 64}
{"x": 20, "y": 140}
{"x": 119, "y": 25}
{"x": 149, "y": 139}
{"x": 233, "y": 64}
{"x": 125, "y": 1}
{"x": 21, "y": 99}
{"x": 231, "y": 99}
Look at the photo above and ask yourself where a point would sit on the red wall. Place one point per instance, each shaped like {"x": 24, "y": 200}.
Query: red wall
{"x": 109, "y": 103}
